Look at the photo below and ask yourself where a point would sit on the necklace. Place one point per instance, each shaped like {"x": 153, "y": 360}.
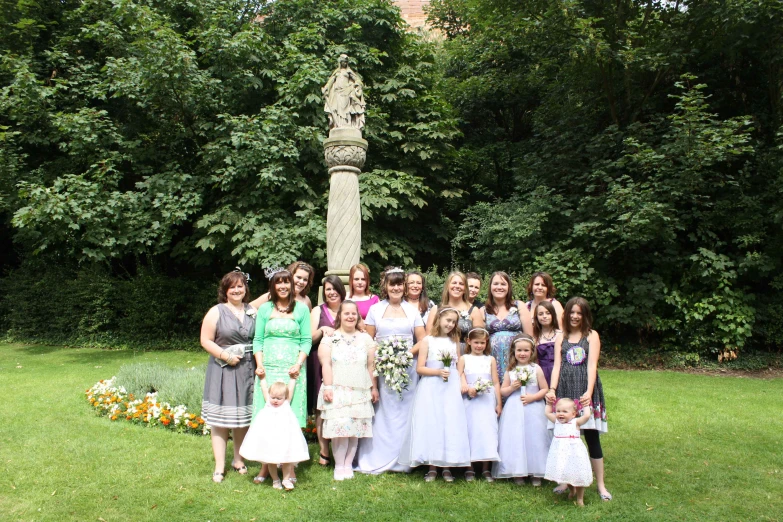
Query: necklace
{"x": 548, "y": 339}
{"x": 237, "y": 313}
{"x": 283, "y": 310}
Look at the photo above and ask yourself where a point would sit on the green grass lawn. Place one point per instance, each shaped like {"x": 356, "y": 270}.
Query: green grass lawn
{"x": 680, "y": 447}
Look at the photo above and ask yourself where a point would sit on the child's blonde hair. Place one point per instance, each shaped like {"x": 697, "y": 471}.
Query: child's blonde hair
{"x": 566, "y": 401}
{"x": 521, "y": 338}
{"x": 479, "y": 334}
{"x": 454, "y": 333}
{"x": 278, "y": 387}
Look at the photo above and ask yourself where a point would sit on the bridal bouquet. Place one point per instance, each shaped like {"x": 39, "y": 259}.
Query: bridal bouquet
{"x": 446, "y": 358}
{"x": 392, "y": 361}
{"x": 481, "y": 386}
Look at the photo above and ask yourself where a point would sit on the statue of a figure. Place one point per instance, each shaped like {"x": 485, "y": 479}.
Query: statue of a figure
{"x": 344, "y": 97}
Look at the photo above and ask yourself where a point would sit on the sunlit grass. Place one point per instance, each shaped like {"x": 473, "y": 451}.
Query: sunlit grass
{"x": 680, "y": 447}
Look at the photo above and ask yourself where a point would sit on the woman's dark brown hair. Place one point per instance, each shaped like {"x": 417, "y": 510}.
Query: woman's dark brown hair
{"x": 424, "y": 300}
{"x": 301, "y": 265}
{"x": 537, "y": 328}
{"x": 284, "y": 276}
{"x": 587, "y": 316}
{"x": 550, "y": 285}
{"x": 229, "y": 280}
{"x": 491, "y": 305}
{"x": 337, "y": 284}
{"x": 395, "y": 278}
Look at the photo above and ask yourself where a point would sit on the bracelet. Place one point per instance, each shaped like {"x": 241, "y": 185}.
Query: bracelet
{"x": 327, "y": 387}
{"x": 221, "y": 356}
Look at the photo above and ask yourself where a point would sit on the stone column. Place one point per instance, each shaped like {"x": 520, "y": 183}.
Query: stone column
{"x": 345, "y": 152}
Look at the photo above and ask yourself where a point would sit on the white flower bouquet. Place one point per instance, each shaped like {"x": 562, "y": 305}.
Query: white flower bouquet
{"x": 524, "y": 375}
{"x": 392, "y": 360}
{"x": 481, "y": 386}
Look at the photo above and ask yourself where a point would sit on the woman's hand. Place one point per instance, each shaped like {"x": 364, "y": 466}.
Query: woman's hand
{"x": 585, "y": 400}
{"x": 375, "y": 395}
{"x": 260, "y": 371}
{"x": 328, "y": 395}
{"x": 472, "y": 393}
{"x": 328, "y": 331}
{"x": 499, "y": 409}
{"x": 551, "y": 396}
{"x": 294, "y": 370}
{"x": 233, "y": 360}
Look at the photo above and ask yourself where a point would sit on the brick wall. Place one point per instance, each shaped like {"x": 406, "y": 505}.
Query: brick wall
{"x": 413, "y": 11}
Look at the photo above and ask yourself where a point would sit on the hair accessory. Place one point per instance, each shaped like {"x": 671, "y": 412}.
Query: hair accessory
{"x": 523, "y": 337}
{"x": 447, "y": 309}
{"x": 247, "y": 276}
{"x": 395, "y": 270}
{"x": 478, "y": 330}
{"x": 272, "y": 270}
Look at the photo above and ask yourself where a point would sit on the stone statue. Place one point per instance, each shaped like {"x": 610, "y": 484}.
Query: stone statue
{"x": 344, "y": 97}
{"x": 344, "y": 152}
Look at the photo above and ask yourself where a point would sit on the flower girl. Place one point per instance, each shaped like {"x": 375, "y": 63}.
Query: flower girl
{"x": 523, "y": 436}
{"x": 438, "y": 429}
{"x": 479, "y": 376}
{"x": 568, "y": 462}
{"x": 274, "y": 436}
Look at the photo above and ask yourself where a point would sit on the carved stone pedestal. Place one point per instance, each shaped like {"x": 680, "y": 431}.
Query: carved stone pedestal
{"x": 345, "y": 152}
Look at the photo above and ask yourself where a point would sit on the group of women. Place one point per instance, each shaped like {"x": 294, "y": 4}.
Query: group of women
{"x": 275, "y": 336}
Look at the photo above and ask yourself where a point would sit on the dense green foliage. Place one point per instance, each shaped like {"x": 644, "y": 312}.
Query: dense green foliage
{"x": 633, "y": 149}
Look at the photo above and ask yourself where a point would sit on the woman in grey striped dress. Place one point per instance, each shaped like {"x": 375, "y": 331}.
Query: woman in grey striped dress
{"x": 227, "y": 335}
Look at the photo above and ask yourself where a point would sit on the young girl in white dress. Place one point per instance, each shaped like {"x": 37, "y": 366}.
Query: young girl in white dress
{"x": 523, "y": 436}
{"x": 481, "y": 409}
{"x": 274, "y": 436}
{"x": 568, "y": 462}
{"x": 438, "y": 429}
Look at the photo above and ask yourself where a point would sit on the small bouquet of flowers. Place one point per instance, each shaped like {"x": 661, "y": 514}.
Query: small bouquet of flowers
{"x": 446, "y": 358}
{"x": 524, "y": 375}
{"x": 392, "y": 361}
{"x": 481, "y": 386}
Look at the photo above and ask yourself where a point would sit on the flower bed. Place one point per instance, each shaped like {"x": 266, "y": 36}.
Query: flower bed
{"x": 114, "y": 402}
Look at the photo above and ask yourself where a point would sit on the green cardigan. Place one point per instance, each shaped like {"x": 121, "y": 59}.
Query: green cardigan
{"x": 302, "y": 318}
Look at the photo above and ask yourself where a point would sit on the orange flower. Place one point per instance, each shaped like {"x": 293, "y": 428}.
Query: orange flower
{"x": 165, "y": 421}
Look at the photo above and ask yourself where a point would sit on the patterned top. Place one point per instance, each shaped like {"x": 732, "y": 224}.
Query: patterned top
{"x": 501, "y": 331}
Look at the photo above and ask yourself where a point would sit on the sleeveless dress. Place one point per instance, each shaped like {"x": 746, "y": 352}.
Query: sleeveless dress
{"x": 228, "y": 391}
{"x": 275, "y": 437}
{"x": 314, "y": 364}
{"x": 281, "y": 339}
{"x": 350, "y": 412}
{"x": 523, "y": 435}
{"x": 438, "y": 428}
{"x": 480, "y": 411}
{"x": 379, "y": 453}
{"x": 573, "y": 382}
{"x": 546, "y": 357}
{"x": 364, "y": 306}
{"x": 501, "y": 331}
{"x": 568, "y": 462}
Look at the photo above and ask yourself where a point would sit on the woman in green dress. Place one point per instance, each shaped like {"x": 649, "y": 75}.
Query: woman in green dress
{"x": 281, "y": 345}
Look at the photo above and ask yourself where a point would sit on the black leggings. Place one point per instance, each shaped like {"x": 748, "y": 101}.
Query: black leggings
{"x": 593, "y": 444}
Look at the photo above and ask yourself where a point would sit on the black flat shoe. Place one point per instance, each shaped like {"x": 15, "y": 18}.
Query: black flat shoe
{"x": 326, "y": 459}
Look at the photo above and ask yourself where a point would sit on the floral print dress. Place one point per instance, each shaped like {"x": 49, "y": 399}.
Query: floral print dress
{"x": 501, "y": 331}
